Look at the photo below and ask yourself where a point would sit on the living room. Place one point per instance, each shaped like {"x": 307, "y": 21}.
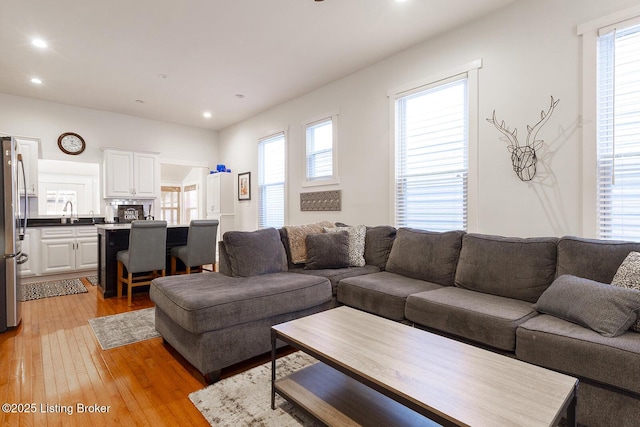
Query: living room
{"x": 523, "y": 54}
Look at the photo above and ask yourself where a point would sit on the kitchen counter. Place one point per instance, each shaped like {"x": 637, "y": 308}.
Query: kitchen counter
{"x": 127, "y": 226}
{"x": 55, "y": 222}
{"x": 115, "y": 237}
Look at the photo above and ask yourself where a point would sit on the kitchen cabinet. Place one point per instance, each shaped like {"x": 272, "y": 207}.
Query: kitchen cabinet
{"x": 28, "y": 148}
{"x": 30, "y": 247}
{"x": 220, "y": 200}
{"x": 67, "y": 249}
{"x": 129, "y": 174}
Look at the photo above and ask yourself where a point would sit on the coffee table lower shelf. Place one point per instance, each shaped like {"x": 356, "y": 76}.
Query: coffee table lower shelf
{"x": 336, "y": 399}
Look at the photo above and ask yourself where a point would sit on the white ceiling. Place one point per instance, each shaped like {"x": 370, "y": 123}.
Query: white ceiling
{"x": 106, "y": 54}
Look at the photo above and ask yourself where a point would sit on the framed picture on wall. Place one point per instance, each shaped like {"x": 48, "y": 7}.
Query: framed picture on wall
{"x": 244, "y": 186}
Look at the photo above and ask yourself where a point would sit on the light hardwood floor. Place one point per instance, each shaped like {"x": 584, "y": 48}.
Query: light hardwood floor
{"x": 53, "y": 358}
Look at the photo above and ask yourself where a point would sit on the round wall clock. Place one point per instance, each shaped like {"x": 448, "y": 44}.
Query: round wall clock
{"x": 71, "y": 143}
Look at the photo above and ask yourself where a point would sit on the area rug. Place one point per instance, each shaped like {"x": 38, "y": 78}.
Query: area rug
{"x": 245, "y": 399}
{"x": 92, "y": 279}
{"x": 124, "y": 328}
{"x": 54, "y": 288}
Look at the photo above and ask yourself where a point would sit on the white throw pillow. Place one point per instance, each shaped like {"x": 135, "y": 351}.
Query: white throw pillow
{"x": 628, "y": 276}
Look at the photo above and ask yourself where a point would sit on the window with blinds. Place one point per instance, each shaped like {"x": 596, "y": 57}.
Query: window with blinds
{"x": 320, "y": 162}
{"x": 170, "y": 204}
{"x": 432, "y": 156}
{"x": 618, "y": 132}
{"x": 271, "y": 180}
{"x": 190, "y": 203}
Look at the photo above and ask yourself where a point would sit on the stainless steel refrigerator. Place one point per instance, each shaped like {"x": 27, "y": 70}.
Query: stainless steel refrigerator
{"x": 13, "y": 217}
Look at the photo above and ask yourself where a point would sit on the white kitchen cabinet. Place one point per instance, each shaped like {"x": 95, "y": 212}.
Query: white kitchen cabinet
{"x": 67, "y": 249}
{"x": 28, "y": 148}
{"x": 128, "y": 174}
{"x": 30, "y": 247}
{"x": 220, "y": 200}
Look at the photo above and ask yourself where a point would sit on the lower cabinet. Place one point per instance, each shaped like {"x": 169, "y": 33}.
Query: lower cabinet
{"x": 66, "y": 249}
{"x": 30, "y": 247}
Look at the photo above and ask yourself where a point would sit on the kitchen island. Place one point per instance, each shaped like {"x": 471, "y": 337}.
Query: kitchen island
{"x": 115, "y": 237}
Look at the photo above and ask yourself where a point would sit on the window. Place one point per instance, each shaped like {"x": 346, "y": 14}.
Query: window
{"x": 190, "y": 203}
{"x": 320, "y": 150}
{"x": 271, "y": 180}
{"x": 431, "y": 156}
{"x": 618, "y": 132}
{"x": 170, "y": 204}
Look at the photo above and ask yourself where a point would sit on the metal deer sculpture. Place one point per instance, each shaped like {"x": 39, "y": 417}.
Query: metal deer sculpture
{"x": 524, "y": 158}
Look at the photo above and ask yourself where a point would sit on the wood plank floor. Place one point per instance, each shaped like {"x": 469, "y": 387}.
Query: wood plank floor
{"x": 53, "y": 360}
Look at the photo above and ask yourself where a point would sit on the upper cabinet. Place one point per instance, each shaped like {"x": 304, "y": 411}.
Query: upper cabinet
{"x": 28, "y": 148}
{"x": 129, "y": 174}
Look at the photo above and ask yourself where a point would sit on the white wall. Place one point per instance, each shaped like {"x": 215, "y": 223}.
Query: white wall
{"x": 47, "y": 120}
{"x": 529, "y": 50}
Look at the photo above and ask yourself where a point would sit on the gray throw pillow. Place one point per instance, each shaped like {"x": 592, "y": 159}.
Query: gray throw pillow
{"x": 628, "y": 276}
{"x": 357, "y": 235}
{"x": 327, "y": 250}
{"x": 608, "y": 310}
{"x": 252, "y": 253}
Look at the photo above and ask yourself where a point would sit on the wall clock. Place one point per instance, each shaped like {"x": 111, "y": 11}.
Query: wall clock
{"x": 71, "y": 143}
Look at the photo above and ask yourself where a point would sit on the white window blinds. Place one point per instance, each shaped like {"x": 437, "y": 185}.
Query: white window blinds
{"x": 618, "y": 133}
{"x": 319, "y": 137}
{"x": 432, "y": 157}
{"x": 271, "y": 179}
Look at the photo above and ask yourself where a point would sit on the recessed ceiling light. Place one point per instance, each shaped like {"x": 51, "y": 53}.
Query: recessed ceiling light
{"x": 36, "y": 81}
{"x": 39, "y": 43}
{"x": 206, "y": 115}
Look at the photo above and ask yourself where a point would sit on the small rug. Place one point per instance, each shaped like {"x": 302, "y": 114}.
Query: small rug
{"x": 54, "y": 288}
{"x": 124, "y": 328}
{"x": 245, "y": 399}
{"x": 92, "y": 279}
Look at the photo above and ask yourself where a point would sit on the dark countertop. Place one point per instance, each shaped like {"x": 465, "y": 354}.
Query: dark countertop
{"x": 55, "y": 222}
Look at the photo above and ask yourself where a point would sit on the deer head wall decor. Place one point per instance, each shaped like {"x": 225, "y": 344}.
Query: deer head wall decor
{"x": 524, "y": 157}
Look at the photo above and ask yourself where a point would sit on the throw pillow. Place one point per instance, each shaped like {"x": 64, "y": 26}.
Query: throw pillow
{"x": 327, "y": 250}
{"x": 297, "y": 235}
{"x": 628, "y": 276}
{"x": 608, "y": 310}
{"x": 357, "y": 234}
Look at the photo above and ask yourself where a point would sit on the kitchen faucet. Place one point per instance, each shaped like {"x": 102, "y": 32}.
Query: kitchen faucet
{"x": 71, "y": 220}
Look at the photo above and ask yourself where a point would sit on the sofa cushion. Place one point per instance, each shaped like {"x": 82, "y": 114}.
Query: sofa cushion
{"x": 378, "y": 244}
{"x": 336, "y": 274}
{"x": 382, "y": 293}
{"x": 251, "y": 253}
{"x": 557, "y": 344}
{"x": 327, "y": 250}
{"x": 425, "y": 255}
{"x": 488, "y": 319}
{"x": 628, "y": 276}
{"x": 211, "y": 301}
{"x": 510, "y": 267}
{"x": 609, "y": 310}
{"x": 591, "y": 258}
{"x": 297, "y": 235}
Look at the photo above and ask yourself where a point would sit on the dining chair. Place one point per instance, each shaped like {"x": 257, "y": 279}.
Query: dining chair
{"x": 147, "y": 254}
{"x": 200, "y": 248}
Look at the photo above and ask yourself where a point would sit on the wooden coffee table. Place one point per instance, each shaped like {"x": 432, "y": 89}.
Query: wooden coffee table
{"x": 378, "y": 372}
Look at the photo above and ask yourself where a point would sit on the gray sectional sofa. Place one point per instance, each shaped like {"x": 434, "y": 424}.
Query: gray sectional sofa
{"x": 546, "y": 301}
